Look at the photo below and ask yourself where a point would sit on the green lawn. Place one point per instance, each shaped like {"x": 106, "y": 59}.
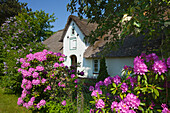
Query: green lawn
{"x": 8, "y": 104}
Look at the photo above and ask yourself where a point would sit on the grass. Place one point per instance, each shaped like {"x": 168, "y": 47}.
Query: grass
{"x": 8, "y": 104}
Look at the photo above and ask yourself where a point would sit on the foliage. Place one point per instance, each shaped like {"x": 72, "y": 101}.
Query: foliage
{"x": 47, "y": 80}
{"x": 119, "y": 19}
{"x": 143, "y": 88}
{"x": 40, "y": 23}
{"x": 16, "y": 41}
{"x": 10, "y": 8}
{"x": 103, "y": 70}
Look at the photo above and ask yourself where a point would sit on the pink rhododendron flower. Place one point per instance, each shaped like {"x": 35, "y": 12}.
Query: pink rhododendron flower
{"x": 22, "y": 60}
{"x": 94, "y": 93}
{"x": 139, "y": 66}
{"x": 56, "y": 65}
{"x": 39, "y": 68}
{"x": 35, "y": 82}
{"x": 49, "y": 87}
{"x": 159, "y": 67}
{"x": 35, "y": 75}
{"x": 40, "y": 56}
{"x": 91, "y": 88}
{"x": 152, "y": 57}
{"x": 45, "y": 51}
{"x": 108, "y": 81}
{"x": 50, "y": 52}
{"x": 63, "y": 102}
{"x": 24, "y": 81}
{"x": 123, "y": 107}
{"x": 61, "y": 85}
{"x": 30, "y": 103}
{"x": 29, "y": 85}
{"x": 20, "y": 101}
{"x": 31, "y": 70}
{"x": 61, "y": 59}
{"x": 61, "y": 65}
{"x": 25, "y": 64}
{"x": 19, "y": 69}
{"x": 75, "y": 81}
{"x": 132, "y": 101}
{"x": 43, "y": 80}
{"x": 72, "y": 75}
{"x": 124, "y": 87}
{"x": 98, "y": 84}
{"x": 41, "y": 103}
{"x": 30, "y": 57}
{"x": 114, "y": 105}
{"x": 117, "y": 79}
{"x": 100, "y": 104}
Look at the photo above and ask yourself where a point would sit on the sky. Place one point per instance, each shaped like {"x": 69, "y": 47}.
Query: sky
{"x": 58, "y": 7}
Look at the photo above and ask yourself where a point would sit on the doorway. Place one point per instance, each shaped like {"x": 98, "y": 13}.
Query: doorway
{"x": 73, "y": 60}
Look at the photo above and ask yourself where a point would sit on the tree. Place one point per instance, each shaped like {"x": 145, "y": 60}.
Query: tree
{"x": 147, "y": 17}
{"x": 103, "y": 70}
{"x": 19, "y": 36}
{"x": 10, "y": 8}
{"x": 40, "y": 22}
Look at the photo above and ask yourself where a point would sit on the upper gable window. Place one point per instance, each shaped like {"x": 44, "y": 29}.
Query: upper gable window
{"x": 73, "y": 30}
{"x": 73, "y": 43}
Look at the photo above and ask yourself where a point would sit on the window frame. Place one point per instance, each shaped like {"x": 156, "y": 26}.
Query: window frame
{"x": 98, "y": 66}
{"x": 70, "y": 43}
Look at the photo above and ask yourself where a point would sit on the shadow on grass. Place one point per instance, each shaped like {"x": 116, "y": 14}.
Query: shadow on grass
{"x": 8, "y": 104}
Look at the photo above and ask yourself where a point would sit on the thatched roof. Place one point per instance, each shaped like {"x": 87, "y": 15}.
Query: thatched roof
{"x": 83, "y": 25}
{"x": 53, "y": 43}
{"x": 132, "y": 46}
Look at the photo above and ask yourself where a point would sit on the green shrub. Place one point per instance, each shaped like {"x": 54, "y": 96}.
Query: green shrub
{"x": 103, "y": 70}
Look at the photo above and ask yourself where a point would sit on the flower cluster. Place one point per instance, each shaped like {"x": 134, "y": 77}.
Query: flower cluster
{"x": 38, "y": 80}
{"x": 165, "y": 109}
{"x": 139, "y": 66}
{"x": 159, "y": 67}
{"x": 126, "y": 105}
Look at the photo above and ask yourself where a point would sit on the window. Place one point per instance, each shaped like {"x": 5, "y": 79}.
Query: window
{"x": 73, "y": 30}
{"x": 96, "y": 64}
{"x": 73, "y": 43}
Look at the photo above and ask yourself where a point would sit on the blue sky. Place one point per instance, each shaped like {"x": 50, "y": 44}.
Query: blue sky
{"x": 58, "y": 7}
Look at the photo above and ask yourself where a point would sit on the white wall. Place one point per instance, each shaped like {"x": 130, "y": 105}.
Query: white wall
{"x": 81, "y": 47}
{"x": 115, "y": 65}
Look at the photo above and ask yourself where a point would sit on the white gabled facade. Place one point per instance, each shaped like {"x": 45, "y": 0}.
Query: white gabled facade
{"x": 73, "y": 45}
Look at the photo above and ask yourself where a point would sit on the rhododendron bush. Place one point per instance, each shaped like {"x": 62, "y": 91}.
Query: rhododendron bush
{"x": 45, "y": 79}
{"x": 142, "y": 88}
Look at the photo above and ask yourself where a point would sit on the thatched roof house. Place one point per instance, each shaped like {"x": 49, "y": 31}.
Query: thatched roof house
{"x": 70, "y": 41}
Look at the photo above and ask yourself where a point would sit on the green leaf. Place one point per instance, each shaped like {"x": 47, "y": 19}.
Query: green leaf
{"x": 156, "y": 77}
{"x": 114, "y": 85}
{"x": 140, "y": 108}
{"x": 159, "y": 88}
{"x": 139, "y": 77}
{"x": 145, "y": 77}
{"x": 162, "y": 77}
{"x": 113, "y": 92}
{"x": 121, "y": 96}
{"x": 112, "y": 89}
{"x": 142, "y": 104}
{"x": 156, "y": 92}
